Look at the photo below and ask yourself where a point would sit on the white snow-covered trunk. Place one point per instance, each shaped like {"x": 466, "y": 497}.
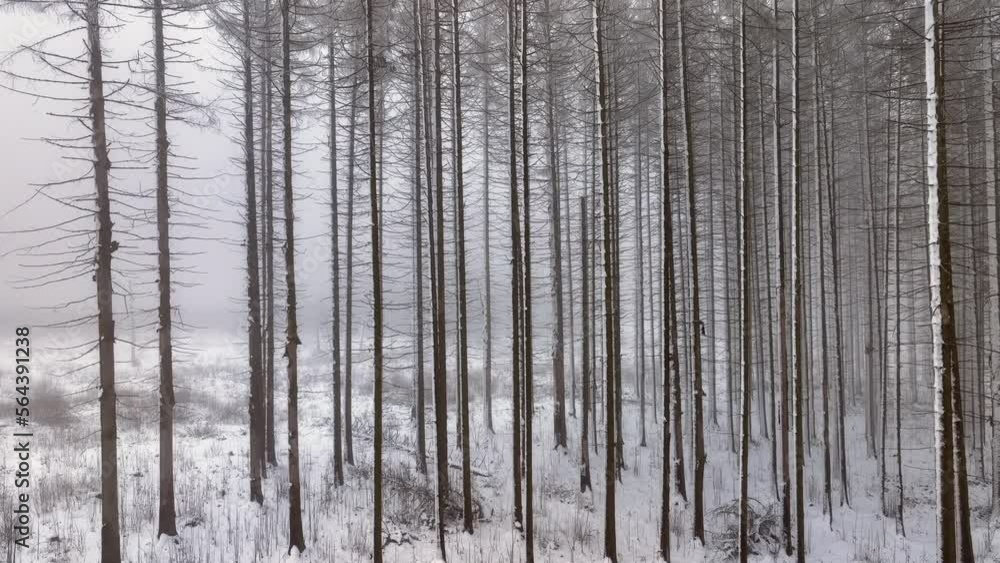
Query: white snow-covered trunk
{"x": 942, "y": 419}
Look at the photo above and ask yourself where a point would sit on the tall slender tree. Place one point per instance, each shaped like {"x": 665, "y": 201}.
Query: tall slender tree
{"x": 440, "y": 373}
{"x": 463, "y": 323}
{"x": 376, "y": 245}
{"x": 253, "y": 281}
{"x": 110, "y": 524}
{"x": 517, "y": 278}
{"x": 338, "y": 443}
{"x": 697, "y": 329}
{"x": 526, "y": 335}
{"x": 296, "y": 534}
{"x": 167, "y": 518}
{"x": 942, "y": 307}
{"x": 610, "y": 541}
{"x": 585, "y": 483}
{"x": 745, "y": 292}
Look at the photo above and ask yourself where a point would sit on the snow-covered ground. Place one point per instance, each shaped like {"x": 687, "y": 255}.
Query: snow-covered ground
{"x": 218, "y": 523}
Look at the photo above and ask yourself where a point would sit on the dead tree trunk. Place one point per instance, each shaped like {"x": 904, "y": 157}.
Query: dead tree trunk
{"x": 256, "y": 404}
{"x": 463, "y": 326}
{"x": 488, "y": 297}
{"x": 166, "y": 522}
{"x": 440, "y": 327}
{"x": 338, "y": 453}
{"x": 697, "y": 328}
{"x": 516, "y": 273}
{"x": 296, "y": 536}
{"x": 267, "y": 169}
{"x": 529, "y": 383}
{"x": 587, "y": 367}
{"x": 352, "y": 135}
{"x": 745, "y": 293}
{"x": 666, "y": 255}
{"x": 798, "y": 299}
{"x": 610, "y": 542}
{"x": 110, "y": 530}
{"x": 376, "y": 240}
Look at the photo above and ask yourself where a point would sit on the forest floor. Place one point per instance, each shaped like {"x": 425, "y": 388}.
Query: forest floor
{"x": 217, "y": 522}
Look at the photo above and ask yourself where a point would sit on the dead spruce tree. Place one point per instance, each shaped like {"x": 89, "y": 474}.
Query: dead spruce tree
{"x": 296, "y": 535}
{"x": 611, "y": 463}
{"x": 438, "y": 282}
{"x": 338, "y": 455}
{"x": 463, "y": 323}
{"x": 167, "y": 516}
{"x": 256, "y": 407}
{"x": 665, "y": 255}
{"x": 110, "y": 530}
{"x": 745, "y": 290}
{"x": 376, "y": 244}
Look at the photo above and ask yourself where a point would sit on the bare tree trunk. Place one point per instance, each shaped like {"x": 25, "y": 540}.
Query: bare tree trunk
{"x": 587, "y": 373}
{"x": 654, "y": 289}
{"x": 713, "y": 317}
{"x": 786, "y": 487}
{"x": 555, "y": 240}
{"x": 797, "y": 298}
{"x": 267, "y": 168}
{"x": 594, "y": 387}
{"x": 376, "y": 238}
{"x": 899, "y": 343}
{"x": 349, "y": 298}
{"x": 516, "y": 274}
{"x": 640, "y": 292}
{"x": 463, "y": 326}
{"x": 564, "y": 164}
{"x": 831, "y": 183}
{"x": 529, "y": 404}
{"x": 256, "y": 403}
{"x": 296, "y": 536}
{"x": 338, "y": 453}
{"x": 746, "y": 348}
{"x": 488, "y": 299}
{"x": 166, "y": 522}
{"x": 767, "y": 326}
{"x": 697, "y": 328}
{"x": 823, "y": 340}
{"x": 731, "y": 368}
{"x": 610, "y": 542}
{"x": 994, "y": 95}
{"x": 666, "y": 255}
{"x": 110, "y": 527}
{"x": 440, "y": 328}
{"x": 942, "y": 305}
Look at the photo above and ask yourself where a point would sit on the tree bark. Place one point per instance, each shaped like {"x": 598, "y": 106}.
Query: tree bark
{"x": 296, "y": 535}
{"x": 587, "y": 373}
{"x": 166, "y": 521}
{"x": 110, "y": 526}
{"x": 516, "y": 273}
{"x": 610, "y": 542}
{"x": 463, "y": 326}
{"x": 338, "y": 451}
{"x": 746, "y": 348}
{"x": 440, "y": 327}
{"x": 376, "y": 239}
{"x": 798, "y": 299}
{"x": 697, "y": 328}
{"x": 256, "y": 403}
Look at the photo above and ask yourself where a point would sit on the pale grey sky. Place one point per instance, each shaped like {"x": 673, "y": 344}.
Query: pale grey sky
{"x": 217, "y": 300}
